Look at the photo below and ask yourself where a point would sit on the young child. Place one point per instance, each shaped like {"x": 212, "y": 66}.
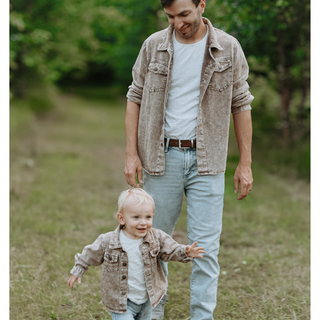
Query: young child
{"x": 132, "y": 280}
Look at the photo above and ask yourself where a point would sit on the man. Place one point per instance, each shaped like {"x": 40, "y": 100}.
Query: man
{"x": 186, "y": 80}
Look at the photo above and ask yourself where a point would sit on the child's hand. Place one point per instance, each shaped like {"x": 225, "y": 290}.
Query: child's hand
{"x": 72, "y": 280}
{"x": 193, "y": 251}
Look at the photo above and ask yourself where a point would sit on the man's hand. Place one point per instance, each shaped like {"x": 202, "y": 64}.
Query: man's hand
{"x": 193, "y": 251}
{"x": 243, "y": 176}
{"x": 72, "y": 280}
{"x": 132, "y": 169}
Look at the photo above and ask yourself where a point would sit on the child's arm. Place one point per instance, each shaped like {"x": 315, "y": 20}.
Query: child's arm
{"x": 92, "y": 255}
{"x": 170, "y": 250}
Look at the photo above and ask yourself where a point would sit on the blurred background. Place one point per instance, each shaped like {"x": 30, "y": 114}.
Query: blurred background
{"x": 70, "y": 67}
{"x": 82, "y": 45}
{"x": 93, "y": 44}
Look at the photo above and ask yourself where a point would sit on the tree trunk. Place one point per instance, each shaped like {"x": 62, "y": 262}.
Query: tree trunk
{"x": 302, "y": 104}
{"x": 285, "y": 109}
{"x": 285, "y": 90}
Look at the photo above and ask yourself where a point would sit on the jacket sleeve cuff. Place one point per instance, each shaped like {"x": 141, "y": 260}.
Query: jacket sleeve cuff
{"x": 184, "y": 256}
{"x": 241, "y": 109}
{"x": 134, "y": 94}
{"x": 77, "y": 271}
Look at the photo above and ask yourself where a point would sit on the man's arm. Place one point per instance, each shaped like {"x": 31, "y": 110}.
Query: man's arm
{"x": 133, "y": 164}
{"x": 243, "y": 174}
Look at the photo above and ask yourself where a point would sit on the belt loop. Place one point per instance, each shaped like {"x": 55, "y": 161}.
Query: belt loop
{"x": 191, "y": 143}
{"x": 167, "y": 144}
{"x": 179, "y": 143}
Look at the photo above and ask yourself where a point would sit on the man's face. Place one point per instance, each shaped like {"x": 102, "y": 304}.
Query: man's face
{"x": 185, "y": 17}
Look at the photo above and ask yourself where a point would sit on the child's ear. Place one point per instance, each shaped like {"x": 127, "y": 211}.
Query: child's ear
{"x": 120, "y": 218}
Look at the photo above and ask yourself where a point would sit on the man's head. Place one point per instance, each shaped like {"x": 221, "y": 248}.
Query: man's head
{"x": 167, "y": 3}
{"x": 184, "y": 15}
{"x": 135, "y": 212}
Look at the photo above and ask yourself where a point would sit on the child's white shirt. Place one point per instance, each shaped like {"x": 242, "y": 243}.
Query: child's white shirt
{"x": 137, "y": 290}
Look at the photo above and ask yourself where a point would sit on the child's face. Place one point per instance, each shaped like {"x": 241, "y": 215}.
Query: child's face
{"x": 138, "y": 220}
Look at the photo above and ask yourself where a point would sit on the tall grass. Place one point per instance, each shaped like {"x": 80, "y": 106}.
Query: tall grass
{"x": 66, "y": 175}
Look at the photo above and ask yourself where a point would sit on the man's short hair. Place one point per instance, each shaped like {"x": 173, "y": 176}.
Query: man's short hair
{"x": 138, "y": 194}
{"x": 167, "y": 3}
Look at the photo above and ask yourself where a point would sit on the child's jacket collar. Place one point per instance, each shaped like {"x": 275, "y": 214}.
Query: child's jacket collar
{"x": 115, "y": 238}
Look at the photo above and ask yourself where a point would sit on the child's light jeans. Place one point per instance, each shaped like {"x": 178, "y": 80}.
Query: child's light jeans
{"x": 134, "y": 312}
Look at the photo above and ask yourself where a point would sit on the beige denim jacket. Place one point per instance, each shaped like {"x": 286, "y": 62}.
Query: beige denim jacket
{"x": 223, "y": 89}
{"x": 107, "y": 249}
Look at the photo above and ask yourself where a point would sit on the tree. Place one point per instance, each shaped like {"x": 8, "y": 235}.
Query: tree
{"x": 277, "y": 31}
{"x": 52, "y": 39}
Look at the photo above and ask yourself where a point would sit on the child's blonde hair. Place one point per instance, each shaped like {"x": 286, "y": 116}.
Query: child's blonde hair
{"x": 136, "y": 193}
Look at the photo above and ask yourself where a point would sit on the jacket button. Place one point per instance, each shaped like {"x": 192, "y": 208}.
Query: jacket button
{"x": 123, "y": 293}
{"x": 110, "y": 258}
{"x": 124, "y": 264}
{"x": 124, "y": 277}
{"x": 155, "y": 69}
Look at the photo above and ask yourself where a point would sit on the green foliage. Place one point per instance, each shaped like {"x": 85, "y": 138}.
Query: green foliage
{"x": 275, "y": 30}
{"x": 275, "y": 34}
{"x": 53, "y": 39}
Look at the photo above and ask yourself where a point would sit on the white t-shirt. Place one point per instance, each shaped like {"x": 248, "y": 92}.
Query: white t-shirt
{"x": 137, "y": 290}
{"x": 183, "y": 99}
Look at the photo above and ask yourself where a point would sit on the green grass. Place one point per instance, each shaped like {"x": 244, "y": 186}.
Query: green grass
{"x": 66, "y": 176}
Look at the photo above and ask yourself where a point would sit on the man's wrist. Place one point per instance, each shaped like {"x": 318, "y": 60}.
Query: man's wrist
{"x": 131, "y": 153}
{"x": 245, "y": 163}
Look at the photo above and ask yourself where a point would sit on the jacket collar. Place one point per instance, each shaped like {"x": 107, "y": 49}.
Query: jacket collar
{"x": 115, "y": 238}
{"x": 166, "y": 42}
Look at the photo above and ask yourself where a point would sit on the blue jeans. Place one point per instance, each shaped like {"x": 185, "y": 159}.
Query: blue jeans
{"x": 134, "y": 311}
{"x": 204, "y": 195}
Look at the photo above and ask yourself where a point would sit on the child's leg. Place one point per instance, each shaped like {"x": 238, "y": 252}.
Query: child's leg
{"x": 145, "y": 312}
{"x": 121, "y": 316}
{"x": 134, "y": 312}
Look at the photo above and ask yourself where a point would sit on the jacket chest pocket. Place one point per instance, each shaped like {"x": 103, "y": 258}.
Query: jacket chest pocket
{"x": 157, "y": 76}
{"x": 111, "y": 261}
{"x": 222, "y": 76}
{"x": 154, "y": 252}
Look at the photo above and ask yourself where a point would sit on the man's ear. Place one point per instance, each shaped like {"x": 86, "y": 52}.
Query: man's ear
{"x": 202, "y": 5}
{"x": 120, "y": 218}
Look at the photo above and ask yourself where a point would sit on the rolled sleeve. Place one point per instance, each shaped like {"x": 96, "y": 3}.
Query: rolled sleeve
{"x": 138, "y": 75}
{"x": 241, "y": 96}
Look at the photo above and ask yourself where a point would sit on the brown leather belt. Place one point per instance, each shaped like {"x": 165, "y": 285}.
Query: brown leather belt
{"x": 181, "y": 143}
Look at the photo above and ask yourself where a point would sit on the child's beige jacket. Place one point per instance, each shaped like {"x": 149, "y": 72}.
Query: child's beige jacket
{"x": 107, "y": 249}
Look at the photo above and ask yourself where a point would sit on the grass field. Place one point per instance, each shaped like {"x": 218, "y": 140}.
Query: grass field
{"x": 66, "y": 175}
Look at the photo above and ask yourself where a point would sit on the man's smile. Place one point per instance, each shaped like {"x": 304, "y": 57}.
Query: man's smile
{"x": 184, "y": 29}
